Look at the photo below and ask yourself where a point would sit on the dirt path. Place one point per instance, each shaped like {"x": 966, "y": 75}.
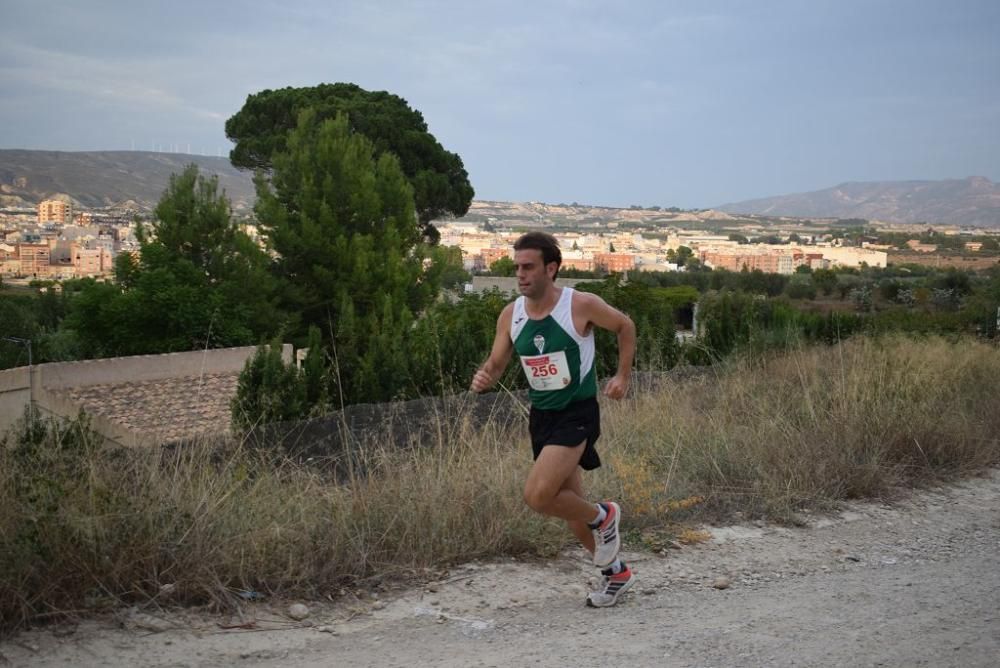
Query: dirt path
{"x": 913, "y": 584}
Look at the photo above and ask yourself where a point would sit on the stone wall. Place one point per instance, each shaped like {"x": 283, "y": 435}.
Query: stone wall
{"x": 52, "y": 385}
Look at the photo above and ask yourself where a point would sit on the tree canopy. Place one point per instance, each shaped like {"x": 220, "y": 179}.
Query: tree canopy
{"x": 188, "y": 288}
{"x": 262, "y": 126}
{"x": 340, "y": 218}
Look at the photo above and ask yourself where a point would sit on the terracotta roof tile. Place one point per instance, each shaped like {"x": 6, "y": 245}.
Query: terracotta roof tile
{"x": 169, "y": 409}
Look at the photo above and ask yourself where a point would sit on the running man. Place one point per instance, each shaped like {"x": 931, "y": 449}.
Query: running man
{"x": 551, "y": 329}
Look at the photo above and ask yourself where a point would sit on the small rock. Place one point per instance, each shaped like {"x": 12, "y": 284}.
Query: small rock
{"x": 648, "y": 592}
{"x": 298, "y": 611}
{"x": 150, "y": 623}
{"x": 722, "y": 582}
{"x": 378, "y": 605}
{"x": 329, "y": 628}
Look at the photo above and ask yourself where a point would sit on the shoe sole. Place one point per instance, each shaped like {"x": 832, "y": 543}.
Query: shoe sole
{"x": 625, "y": 588}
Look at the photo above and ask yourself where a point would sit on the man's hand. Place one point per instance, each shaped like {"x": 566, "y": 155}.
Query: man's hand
{"x": 482, "y": 381}
{"x": 494, "y": 366}
{"x": 616, "y": 387}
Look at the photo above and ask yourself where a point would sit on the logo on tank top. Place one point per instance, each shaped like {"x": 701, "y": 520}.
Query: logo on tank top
{"x": 539, "y": 342}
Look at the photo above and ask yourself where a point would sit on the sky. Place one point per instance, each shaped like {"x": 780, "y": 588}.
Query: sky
{"x": 689, "y": 104}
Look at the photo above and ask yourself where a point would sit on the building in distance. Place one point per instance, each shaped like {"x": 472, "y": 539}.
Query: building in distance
{"x": 54, "y": 211}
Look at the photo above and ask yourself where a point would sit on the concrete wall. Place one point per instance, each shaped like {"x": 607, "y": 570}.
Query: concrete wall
{"x": 48, "y": 379}
{"x": 14, "y": 395}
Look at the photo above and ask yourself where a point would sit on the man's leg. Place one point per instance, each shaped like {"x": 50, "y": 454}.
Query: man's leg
{"x": 581, "y": 530}
{"x": 546, "y": 492}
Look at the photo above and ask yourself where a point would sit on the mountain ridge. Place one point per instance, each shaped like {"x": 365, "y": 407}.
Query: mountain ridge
{"x": 971, "y": 201}
{"x": 97, "y": 179}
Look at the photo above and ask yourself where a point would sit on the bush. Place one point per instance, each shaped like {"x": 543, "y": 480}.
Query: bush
{"x": 801, "y": 289}
{"x": 268, "y": 390}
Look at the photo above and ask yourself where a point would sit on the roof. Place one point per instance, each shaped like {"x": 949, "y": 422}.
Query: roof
{"x": 172, "y": 409}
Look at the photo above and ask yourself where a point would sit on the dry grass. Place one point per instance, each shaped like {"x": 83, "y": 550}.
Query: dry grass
{"x": 81, "y": 528}
{"x": 770, "y": 435}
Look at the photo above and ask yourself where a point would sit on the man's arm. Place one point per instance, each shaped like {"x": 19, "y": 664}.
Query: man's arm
{"x": 489, "y": 372}
{"x": 599, "y": 313}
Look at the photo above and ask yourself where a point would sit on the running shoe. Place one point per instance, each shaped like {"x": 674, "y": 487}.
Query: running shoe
{"x": 607, "y": 542}
{"x": 614, "y": 586}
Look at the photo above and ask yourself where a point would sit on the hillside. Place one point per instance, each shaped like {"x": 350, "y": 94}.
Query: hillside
{"x": 96, "y": 179}
{"x": 528, "y": 214}
{"x": 106, "y": 178}
{"x": 971, "y": 201}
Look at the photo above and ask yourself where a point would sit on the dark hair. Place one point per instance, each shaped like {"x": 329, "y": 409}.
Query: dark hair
{"x": 544, "y": 242}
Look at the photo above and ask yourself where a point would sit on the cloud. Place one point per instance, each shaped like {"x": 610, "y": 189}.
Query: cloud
{"x": 91, "y": 78}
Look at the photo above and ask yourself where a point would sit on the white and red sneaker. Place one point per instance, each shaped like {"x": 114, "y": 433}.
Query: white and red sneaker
{"x": 607, "y": 542}
{"x": 614, "y": 586}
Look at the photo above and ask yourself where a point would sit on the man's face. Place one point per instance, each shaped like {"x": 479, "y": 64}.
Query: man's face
{"x": 533, "y": 276}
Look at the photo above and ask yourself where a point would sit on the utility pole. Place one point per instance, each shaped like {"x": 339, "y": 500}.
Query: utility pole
{"x": 31, "y": 376}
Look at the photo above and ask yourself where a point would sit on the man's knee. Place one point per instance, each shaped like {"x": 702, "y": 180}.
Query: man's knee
{"x": 537, "y": 497}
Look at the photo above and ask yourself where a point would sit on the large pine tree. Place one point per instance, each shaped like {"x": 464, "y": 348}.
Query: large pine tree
{"x": 344, "y": 229}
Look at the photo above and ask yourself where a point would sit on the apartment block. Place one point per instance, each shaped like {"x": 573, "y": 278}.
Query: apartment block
{"x": 583, "y": 264}
{"x": 614, "y": 262}
{"x": 34, "y": 259}
{"x": 92, "y": 261}
{"x": 491, "y": 255}
{"x": 769, "y": 263}
{"x": 54, "y": 211}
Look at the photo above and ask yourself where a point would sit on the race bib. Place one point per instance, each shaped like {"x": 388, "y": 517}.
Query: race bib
{"x": 547, "y": 372}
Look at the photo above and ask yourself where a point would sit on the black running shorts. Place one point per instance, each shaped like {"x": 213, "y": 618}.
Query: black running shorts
{"x": 580, "y": 421}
